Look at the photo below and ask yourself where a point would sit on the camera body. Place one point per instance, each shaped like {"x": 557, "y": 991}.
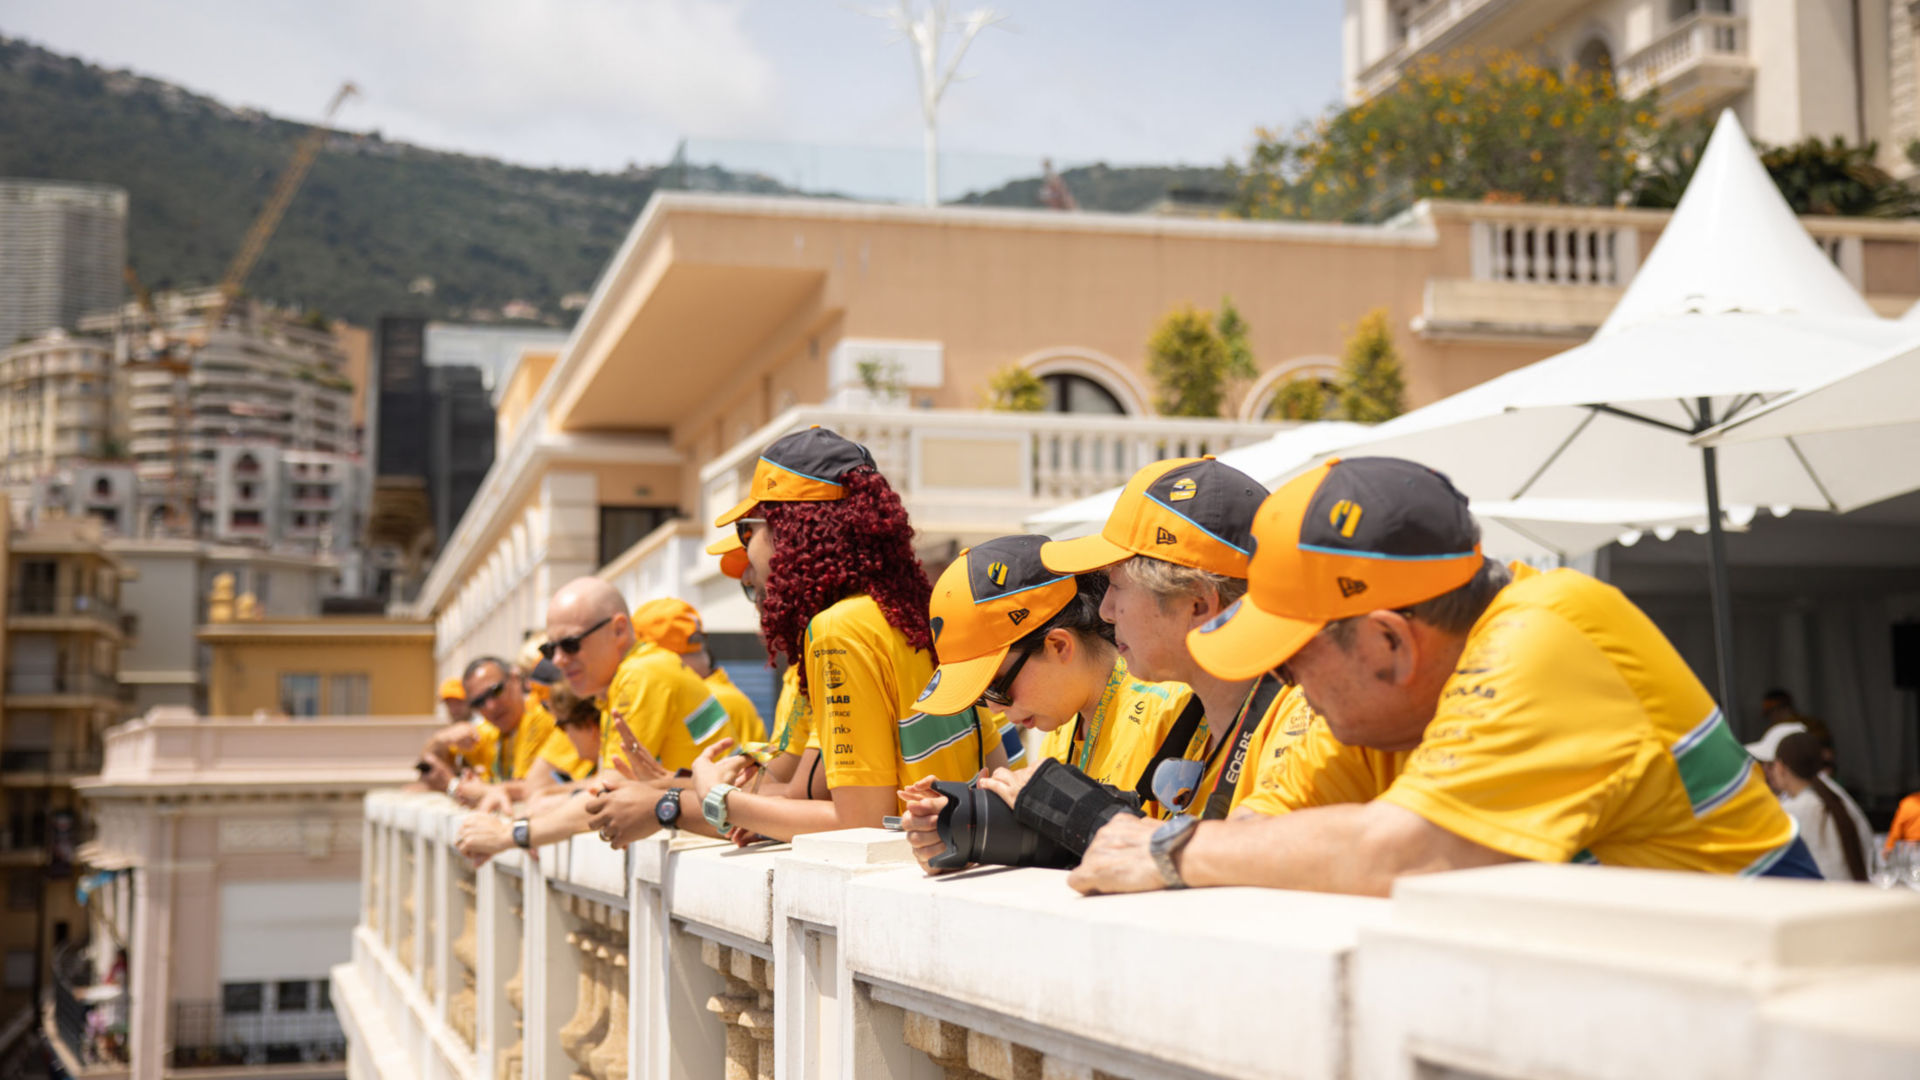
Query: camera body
{"x": 1056, "y": 815}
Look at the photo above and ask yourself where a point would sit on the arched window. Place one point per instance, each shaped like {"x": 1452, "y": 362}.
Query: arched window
{"x": 1070, "y": 393}
{"x": 1595, "y": 56}
{"x": 102, "y": 486}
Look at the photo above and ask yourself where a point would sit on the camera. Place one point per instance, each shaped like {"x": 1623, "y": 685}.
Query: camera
{"x": 979, "y": 827}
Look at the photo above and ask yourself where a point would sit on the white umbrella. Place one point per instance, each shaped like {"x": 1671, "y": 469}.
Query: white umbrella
{"x": 1734, "y": 305}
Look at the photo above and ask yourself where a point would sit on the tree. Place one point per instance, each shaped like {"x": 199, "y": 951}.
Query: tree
{"x": 1495, "y": 126}
{"x": 1195, "y": 357}
{"x": 1015, "y": 389}
{"x": 1302, "y": 397}
{"x": 1371, "y": 386}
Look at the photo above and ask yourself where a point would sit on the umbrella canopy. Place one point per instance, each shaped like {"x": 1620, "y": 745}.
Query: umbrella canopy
{"x": 1735, "y": 305}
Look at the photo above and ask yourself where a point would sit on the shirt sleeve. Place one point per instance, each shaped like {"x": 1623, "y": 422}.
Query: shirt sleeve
{"x": 486, "y": 740}
{"x": 1536, "y": 738}
{"x": 558, "y": 753}
{"x": 854, "y": 710}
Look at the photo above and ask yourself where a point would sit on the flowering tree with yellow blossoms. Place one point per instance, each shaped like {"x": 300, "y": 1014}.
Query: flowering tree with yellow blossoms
{"x": 1484, "y": 127}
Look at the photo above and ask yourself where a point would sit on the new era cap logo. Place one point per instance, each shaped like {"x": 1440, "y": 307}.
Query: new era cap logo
{"x": 770, "y": 483}
{"x": 1351, "y": 587}
{"x": 1019, "y": 616}
{"x": 1162, "y": 536}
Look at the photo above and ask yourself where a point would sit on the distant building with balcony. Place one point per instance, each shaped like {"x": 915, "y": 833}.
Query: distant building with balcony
{"x": 1790, "y": 71}
{"x": 57, "y": 406}
{"x": 59, "y": 693}
{"x": 726, "y": 321}
{"x": 63, "y": 247}
{"x": 226, "y": 866}
{"x": 335, "y": 665}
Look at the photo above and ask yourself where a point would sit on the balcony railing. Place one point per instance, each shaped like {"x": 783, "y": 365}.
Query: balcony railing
{"x": 36, "y": 683}
{"x": 1427, "y": 27}
{"x": 1700, "y": 39}
{"x": 834, "y": 956}
{"x": 207, "y": 1036}
{"x": 46, "y": 603}
{"x": 56, "y": 762}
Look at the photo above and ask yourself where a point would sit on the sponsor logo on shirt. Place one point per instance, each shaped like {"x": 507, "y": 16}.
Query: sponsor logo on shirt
{"x": 836, "y": 678}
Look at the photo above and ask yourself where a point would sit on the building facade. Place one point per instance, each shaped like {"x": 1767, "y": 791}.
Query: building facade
{"x": 63, "y": 248}
{"x": 330, "y": 666}
{"x": 1791, "y": 69}
{"x": 57, "y": 406}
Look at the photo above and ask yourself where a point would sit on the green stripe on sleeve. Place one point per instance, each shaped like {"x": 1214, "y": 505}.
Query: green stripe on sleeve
{"x": 1713, "y": 764}
{"x": 706, "y": 721}
{"x": 922, "y": 736}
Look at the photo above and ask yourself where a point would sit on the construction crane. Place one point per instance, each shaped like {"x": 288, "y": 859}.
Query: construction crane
{"x": 160, "y": 351}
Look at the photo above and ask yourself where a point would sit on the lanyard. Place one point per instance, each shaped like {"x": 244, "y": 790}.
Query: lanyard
{"x": 1100, "y": 715}
{"x": 1259, "y": 699}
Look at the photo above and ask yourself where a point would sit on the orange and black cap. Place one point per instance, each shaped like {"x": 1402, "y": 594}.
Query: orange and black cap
{"x": 1195, "y": 512}
{"x": 733, "y": 555}
{"x": 1341, "y": 540}
{"x": 993, "y": 595}
{"x": 806, "y": 466}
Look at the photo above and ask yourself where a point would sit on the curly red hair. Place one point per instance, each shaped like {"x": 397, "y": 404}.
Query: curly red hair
{"x": 828, "y": 551}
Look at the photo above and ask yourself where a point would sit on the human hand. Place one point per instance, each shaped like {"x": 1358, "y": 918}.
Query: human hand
{"x": 638, "y": 763}
{"x": 494, "y": 799}
{"x": 437, "y": 775}
{"x": 920, "y": 820}
{"x": 711, "y": 768}
{"x": 1006, "y": 783}
{"x": 624, "y": 813}
{"x": 482, "y": 836}
{"x": 1118, "y": 860}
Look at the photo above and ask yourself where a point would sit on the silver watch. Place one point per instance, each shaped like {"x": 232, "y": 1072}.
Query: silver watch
{"x": 1167, "y": 841}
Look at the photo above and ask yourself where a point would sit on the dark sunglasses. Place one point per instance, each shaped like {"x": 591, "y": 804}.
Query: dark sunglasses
{"x": 746, "y": 527}
{"x": 999, "y": 692}
{"x": 481, "y": 699}
{"x": 571, "y": 645}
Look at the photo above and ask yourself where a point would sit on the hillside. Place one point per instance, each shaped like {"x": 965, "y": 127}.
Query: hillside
{"x": 1119, "y": 189}
{"x": 373, "y": 217}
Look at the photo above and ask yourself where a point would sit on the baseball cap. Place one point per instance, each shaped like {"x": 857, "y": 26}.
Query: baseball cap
{"x": 806, "y": 466}
{"x": 733, "y": 555}
{"x": 992, "y": 596}
{"x": 453, "y": 689}
{"x": 1341, "y": 540}
{"x": 1768, "y": 747}
{"x": 1195, "y": 512}
{"x": 670, "y": 623}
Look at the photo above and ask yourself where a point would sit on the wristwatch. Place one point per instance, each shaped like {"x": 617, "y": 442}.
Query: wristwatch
{"x": 521, "y": 836}
{"x": 453, "y": 789}
{"x": 1167, "y": 841}
{"x": 714, "y": 807}
{"x": 667, "y": 810}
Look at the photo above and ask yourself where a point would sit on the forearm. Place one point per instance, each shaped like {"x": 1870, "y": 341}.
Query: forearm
{"x": 558, "y": 822}
{"x": 776, "y": 817}
{"x": 1339, "y": 849}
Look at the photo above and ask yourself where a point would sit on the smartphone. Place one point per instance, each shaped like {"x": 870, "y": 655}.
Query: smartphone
{"x": 890, "y": 822}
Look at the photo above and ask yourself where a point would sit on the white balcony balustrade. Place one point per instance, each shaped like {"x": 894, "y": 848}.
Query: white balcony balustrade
{"x": 834, "y": 956}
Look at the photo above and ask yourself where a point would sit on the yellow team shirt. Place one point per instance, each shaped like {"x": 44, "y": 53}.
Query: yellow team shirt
{"x": 1572, "y": 731}
{"x": 862, "y": 679}
{"x": 743, "y": 720}
{"x": 671, "y": 711}
{"x": 793, "y": 716}
{"x": 1268, "y": 740}
{"x": 1306, "y": 766}
{"x": 512, "y": 758}
{"x": 1115, "y": 743}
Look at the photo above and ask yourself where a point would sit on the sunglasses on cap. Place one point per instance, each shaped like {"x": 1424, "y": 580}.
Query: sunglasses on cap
{"x": 482, "y": 699}
{"x": 571, "y": 644}
{"x": 999, "y": 692}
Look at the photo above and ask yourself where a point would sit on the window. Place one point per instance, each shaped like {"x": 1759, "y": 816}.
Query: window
{"x": 241, "y": 997}
{"x": 291, "y": 996}
{"x": 1683, "y": 8}
{"x": 347, "y": 694}
{"x": 39, "y": 584}
{"x": 1069, "y": 393}
{"x": 300, "y": 695}
{"x": 621, "y": 527}
{"x": 324, "y": 999}
{"x": 245, "y": 519}
{"x": 19, "y": 969}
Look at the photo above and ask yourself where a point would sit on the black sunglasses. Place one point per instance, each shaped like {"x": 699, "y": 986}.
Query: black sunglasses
{"x": 571, "y": 645}
{"x": 999, "y": 692}
{"x": 481, "y": 699}
{"x": 744, "y": 528}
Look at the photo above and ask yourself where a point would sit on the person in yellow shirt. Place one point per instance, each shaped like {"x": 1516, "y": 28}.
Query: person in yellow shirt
{"x": 501, "y": 748}
{"x": 674, "y": 625}
{"x": 1541, "y": 715}
{"x": 453, "y": 698}
{"x": 654, "y": 710}
{"x": 1175, "y": 550}
{"x": 831, "y": 552}
{"x": 1030, "y": 642}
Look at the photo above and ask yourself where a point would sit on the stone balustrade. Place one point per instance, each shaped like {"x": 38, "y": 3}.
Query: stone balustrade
{"x": 834, "y": 956}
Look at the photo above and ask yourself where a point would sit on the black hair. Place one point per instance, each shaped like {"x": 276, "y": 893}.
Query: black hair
{"x": 1780, "y": 695}
{"x": 1801, "y": 755}
{"x": 475, "y": 665}
{"x": 1081, "y": 616}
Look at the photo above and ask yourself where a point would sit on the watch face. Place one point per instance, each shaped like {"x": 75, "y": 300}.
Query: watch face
{"x": 667, "y": 810}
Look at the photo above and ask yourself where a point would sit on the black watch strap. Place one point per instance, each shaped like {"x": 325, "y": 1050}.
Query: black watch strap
{"x": 667, "y": 810}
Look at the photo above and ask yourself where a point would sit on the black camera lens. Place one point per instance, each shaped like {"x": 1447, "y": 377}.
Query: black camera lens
{"x": 979, "y": 827}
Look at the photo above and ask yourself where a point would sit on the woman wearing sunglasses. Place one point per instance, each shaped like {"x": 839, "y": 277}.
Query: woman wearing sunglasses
{"x": 1030, "y": 642}
{"x": 831, "y": 554}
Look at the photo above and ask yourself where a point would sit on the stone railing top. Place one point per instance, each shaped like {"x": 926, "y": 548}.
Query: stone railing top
{"x": 175, "y": 748}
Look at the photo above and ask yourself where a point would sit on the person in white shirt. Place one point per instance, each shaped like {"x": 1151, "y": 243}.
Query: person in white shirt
{"x": 1832, "y": 824}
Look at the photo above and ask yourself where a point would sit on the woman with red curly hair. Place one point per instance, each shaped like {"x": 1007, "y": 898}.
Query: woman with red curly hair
{"x": 831, "y": 552}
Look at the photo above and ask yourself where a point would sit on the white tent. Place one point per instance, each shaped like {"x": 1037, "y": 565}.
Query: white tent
{"x": 1735, "y": 305}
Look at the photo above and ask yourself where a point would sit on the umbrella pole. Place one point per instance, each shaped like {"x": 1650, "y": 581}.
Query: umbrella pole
{"x": 1718, "y": 593}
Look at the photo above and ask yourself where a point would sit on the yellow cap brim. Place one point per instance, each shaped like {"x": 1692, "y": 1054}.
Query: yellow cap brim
{"x": 959, "y": 684}
{"x": 740, "y": 510}
{"x": 725, "y": 544}
{"x": 1082, "y": 555}
{"x": 1246, "y": 642}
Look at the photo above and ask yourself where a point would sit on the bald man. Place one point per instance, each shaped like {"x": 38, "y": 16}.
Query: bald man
{"x": 642, "y": 689}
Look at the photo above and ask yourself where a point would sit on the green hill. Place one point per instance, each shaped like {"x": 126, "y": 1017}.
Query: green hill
{"x": 1119, "y": 189}
{"x": 373, "y": 217}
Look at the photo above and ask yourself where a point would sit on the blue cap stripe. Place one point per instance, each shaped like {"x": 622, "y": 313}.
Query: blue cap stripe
{"x": 797, "y": 472}
{"x": 1384, "y": 556}
{"x": 1024, "y": 588}
{"x": 1150, "y": 498}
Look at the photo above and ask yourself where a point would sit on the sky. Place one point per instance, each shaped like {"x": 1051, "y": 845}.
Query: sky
{"x": 603, "y": 83}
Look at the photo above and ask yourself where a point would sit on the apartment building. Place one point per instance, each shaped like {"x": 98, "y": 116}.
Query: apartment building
{"x": 63, "y": 634}
{"x": 57, "y": 405}
{"x": 1790, "y": 69}
{"x": 63, "y": 247}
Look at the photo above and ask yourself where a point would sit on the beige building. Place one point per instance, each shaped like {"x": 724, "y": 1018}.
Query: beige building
{"x": 1791, "y": 69}
{"x": 227, "y": 867}
{"x": 723, "y": 322}
{"x": 328, "y": 666}
{"x": 62, "y": 643}
{"x": 57, "y": 405}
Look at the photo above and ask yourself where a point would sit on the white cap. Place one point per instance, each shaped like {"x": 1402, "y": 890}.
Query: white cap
{"x": 1769, "y": 744}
